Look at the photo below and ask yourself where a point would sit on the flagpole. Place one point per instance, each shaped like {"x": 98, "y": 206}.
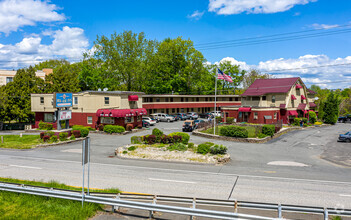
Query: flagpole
{"x": 215, "y": 106}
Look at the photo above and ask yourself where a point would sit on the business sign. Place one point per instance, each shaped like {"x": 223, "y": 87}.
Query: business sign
{"x": 64, "y": 115}
{"x": 62, "y": 100}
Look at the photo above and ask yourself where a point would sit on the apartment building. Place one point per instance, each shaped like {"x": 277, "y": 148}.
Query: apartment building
{"x": 7, "y": 76}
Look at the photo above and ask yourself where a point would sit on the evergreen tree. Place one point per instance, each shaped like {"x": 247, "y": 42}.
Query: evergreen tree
{"x": 331, "y": 108}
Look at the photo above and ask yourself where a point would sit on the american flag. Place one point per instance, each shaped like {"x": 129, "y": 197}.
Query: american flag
{"x": 224, "y": 76}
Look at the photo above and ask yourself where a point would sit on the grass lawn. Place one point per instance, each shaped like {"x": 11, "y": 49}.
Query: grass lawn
{"x": 251, "y": 130}
{"x": 24, "y": 206}
{"x": 17, "y": 142}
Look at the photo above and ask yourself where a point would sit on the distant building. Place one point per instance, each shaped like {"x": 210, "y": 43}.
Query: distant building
{"x": 7, "y": 76}
{"x": 271, "y": 100}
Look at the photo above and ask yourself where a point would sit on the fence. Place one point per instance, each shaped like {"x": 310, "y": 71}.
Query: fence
{"x": 13, "y": 126}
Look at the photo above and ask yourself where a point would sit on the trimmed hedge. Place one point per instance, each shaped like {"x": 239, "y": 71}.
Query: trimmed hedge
{"x": 45, "y": 126}
{"x": 76, "y": 133}
{"x": 185, "y": 136}
{"x": 63, "y": 136}
{"x": 53, "y": 138}
{"x": 204, "y": 148}
{"x": 113, "y": 129}
{"x": 268, "y": 130}
{"x": 234, "y": 131}
{"x": 83, "y": 130}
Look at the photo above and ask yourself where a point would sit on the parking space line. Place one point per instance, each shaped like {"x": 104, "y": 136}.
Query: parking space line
{"x": 175, "y": 181}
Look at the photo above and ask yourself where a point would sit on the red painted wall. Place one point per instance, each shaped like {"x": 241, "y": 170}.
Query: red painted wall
{"x": 259, "y": 120}
{"x": 77, "y": 119}
{"x": 188, "y": 105}
{"x": 121, "y": 122}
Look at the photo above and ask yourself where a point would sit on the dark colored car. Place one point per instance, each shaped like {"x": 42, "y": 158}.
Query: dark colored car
{"x": 345, "y": 137}
{"x": 197, "y": 122}
{"x": 205, "y": 115}
{"x": 188, "y": 125}
{"x": 146, "y": 124}
{"x": 345, "y": 119}
{"x": 176, "y": 117}
{"x": 182, "y": 116}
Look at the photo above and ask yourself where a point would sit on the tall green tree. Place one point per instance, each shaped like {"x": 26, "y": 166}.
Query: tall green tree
{"x": 52, "y": 64}
{"x": 252, "y": 75}
{"x": 63, "y": 79}
{"x": 331, "y": 108}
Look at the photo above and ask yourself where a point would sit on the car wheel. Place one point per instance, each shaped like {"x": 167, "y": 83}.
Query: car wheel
{"x": 168, "y": 120}
{"x": 348, "y": 140}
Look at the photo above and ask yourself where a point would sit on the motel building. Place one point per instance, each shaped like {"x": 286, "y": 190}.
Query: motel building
{"x": 91, "y": 108}
{"x": 269, "y": 101}
{"x": 172, "y": 104}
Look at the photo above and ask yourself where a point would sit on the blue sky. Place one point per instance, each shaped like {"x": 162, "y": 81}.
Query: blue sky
{"x": 31, "y": 31}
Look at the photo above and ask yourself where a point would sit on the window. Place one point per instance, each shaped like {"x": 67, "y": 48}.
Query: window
{"x": 42, "y": 100}
{"x": 273, "y": 98}
{"x": 198, "y": 109}
{"x": 151, "y": 100}
{"x": 292, "y": 103}
{"x": 264, "y": 97}
{"x": 275, "y": 115}
{"x": 129, "y": 120}
{"x": 139, "y": 118}
{"x": 230, "y": 99}
{"x": 173, "y": 110}
{"x": 182, "y": 99}
{"x": 48, "y": 117}
{"x": 90, "y": 120}
{"x": 206, "y": 99}
{"x": 256, "y": 115}
{"x": 255, "y": 98}
{"x": 210, "y": 99}
{"x": 107, "y": 120}
{"x": 107, "y": 100}
{"x": 297, "y": 91}
{"x": 236, "y": 99}
{"x": 197, "y": 99}
{"x": 157, "y": 99}
{"x": 9, "y": 79}
{"x": 177, "y": 110}
{"x": 192, "y": 99}
{"x": 182, "y": 110}
{"x": 75, "y": 100}
{"x": 145, "y": 100}
{"x": 186, "y": 100}
{"x": 171, "y": 99}
{"x": 166, "y": 99}
{"x": 192, "y": 109}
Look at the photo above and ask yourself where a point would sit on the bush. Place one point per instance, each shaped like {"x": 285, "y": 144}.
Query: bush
{"x": 218, "y": 149}
{"x": 129, "y": 127}
{"x": 63, "y": 136}
{"x": 260, "y": 135}
{"x": 83, "y": 131}
{"x": 42, "y": 135}
{"x": 185, "y": 137}
{"x": 218, "y": 119}
{"x": 72, "y": 137}
{"x": 318, "y": 123}
{"x": 268, "y": 130}
{"x": 45, "y": 126}
{"x": 125, "y": 152}
{"x": 76, "y": 133}
{"x": 297, "y": 121}
{"x": 100, "y": 127}
{"x": 230, "y": 120}
{"x": 157, "y": 132}
{"x": 175, "y": 139}
{"x": 151, "y": 139}
{"x": 234, "y": 131}
{"x": 178, "y": 147}
{"x": 136, "y": 140}
{"x": 191, "y": 145}
{"x": 165, "y": 139}
{"x": 53, "y": 138}
{"x": 113, "y": 129}
{"x": 46, "y": 138}
{"x": 204, "y": 148}
{"x": 313, "y": 117}
{"x": 305, "y": 120}
{"x": 49, "y": 133}
{"x": 131, "y": 148}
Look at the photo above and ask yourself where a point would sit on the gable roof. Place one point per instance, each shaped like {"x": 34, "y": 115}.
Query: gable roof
{"x": 265, "y": 86}
{"x": 311, "y": 91}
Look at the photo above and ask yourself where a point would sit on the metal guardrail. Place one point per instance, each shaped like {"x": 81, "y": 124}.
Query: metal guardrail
{"x": 123, "y": 199}
{"x": 151, "y": 207}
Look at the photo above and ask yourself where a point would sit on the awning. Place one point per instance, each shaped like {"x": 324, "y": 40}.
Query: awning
{"x": 312, "y": 105}
{"x": 298, "y": 86}
{"x": 133, "y": 98}
{"x": 120, "y": 113}
{"x": 282, "y": 106}
{"x": 303, "y": 97}
{"x": 293, "y": 113}
{"x": 244, "y": 109}
{"x": 267, "y": 117}
{"x": 293, "y": 97}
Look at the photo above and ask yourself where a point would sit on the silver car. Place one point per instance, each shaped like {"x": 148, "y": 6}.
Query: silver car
{"x": 163, "y": 117}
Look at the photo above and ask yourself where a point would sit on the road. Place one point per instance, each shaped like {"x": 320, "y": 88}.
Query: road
{"x": 286, "y": 170}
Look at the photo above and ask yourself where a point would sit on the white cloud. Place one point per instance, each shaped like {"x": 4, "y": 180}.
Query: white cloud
{"x": 229, "y": 7}
{"x": 196, "y": 15}
{"x": 324, "y": 26}
{"x": 68, "y": 43}
{"x": 18, "y": 13}
{"x": 243, "y": 65}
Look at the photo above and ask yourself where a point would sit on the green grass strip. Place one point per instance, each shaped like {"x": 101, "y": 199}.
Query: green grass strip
{"x": 17, "y": 142}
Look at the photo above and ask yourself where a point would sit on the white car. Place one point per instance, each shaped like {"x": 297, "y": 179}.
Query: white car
{"x": 217, "y": 114}
{"x": 150, "y": 120}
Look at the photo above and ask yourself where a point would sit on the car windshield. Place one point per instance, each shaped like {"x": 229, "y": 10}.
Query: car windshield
{"x": 187, "y": 123}
{"x": 347, "y": 133}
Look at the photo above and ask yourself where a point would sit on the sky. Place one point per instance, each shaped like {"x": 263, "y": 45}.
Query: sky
{"x": 310, "y": 39}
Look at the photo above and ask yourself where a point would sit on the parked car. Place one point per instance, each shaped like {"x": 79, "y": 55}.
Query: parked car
{"x": 192, "y": 115}
{"x": 163, "y": 117}
{"x": 205, "y": 115}
{"x": 197, "y": 122}
{"x": 216, "y": 114}
{"x": 151, "y": 121}
{"x": 176, "y": 117}
{"x": 154, "y": 118}
{"x": 146, "y": 124}
{"x": 182, "y": 116}
{"x": 345, "y": 137}
{"x": 345, "y": 119}
{"x": 188, "y": 125}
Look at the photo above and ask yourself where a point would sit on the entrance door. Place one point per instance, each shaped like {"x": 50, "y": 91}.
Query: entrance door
{"x": 246, "y": 116}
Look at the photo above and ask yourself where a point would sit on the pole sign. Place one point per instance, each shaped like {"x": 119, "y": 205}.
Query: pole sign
{"x": 62, "y": 100}
{"x": 64, "y": 115}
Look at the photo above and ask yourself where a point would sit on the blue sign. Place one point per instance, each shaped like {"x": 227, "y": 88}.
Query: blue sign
{"x": 63, "y": 100}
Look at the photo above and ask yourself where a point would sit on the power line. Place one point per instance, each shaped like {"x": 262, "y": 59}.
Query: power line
{"x": 311, "y": 67}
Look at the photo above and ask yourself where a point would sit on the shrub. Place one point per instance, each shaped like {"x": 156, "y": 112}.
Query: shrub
{"x": 101, "y": 127}
{"x": 157, "y": 132}
{"x": 42, "y": 135}
{"x": 230, "y": 120}
{"x": 185, "y": 137}
{"x": 46, "y": 138}
{"x": 297, "y": 121}
{"x": 129, "y": 127}
{"x": 63, "y": 136}
{"x": 218, "y": 119}
{"x": 204, "y": 148}
{"x": 313, "y": 117}
{"x": 178, "y": 147}
{"x": 191, "y": 145}
{"x": 45, "y": 126}
{"x": 218, "y": 149}
{"x": 53, "y": 138}
{"x": 131, "y": 148}
{"x": 318, "y": 123}
{"x": 305, "y": 120}
{"x": 260, "y": 135}
{"x": 165, "y": 139}
{"x": 136, "y": 140}
{"x": 83, "y": 131}
{"x": 151, "y": 139}
{"x": 125, "y": 152}
{"x": 72, "y": 137}
{"x": 268, "y": 130}
{"x": 49, "y": 133}
{"x": 113, "y": 129}
{"x": 76, "y": 133}
{"x": 234, "y": 131}
{"x": 175, "y": 139}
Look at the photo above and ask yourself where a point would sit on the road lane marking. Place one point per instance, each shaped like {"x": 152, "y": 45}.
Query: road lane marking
{"x": 184, "y": 171}
{"x": 175, "y": 181}
{"x": 37, "y": 168}
{"x": 344, "y": 195}
{"x": 287, "y": 163}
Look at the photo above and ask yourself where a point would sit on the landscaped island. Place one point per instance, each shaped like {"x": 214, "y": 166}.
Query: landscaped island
{"x": 173, "y": 147}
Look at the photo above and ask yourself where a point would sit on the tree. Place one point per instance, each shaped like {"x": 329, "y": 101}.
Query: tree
{"x": 233, "y": 71}
{"x": 252, "y": 75}
{"x": 331, "y": 108}
{"x": 63, "y": 79}
{"x": 52, "y": 64}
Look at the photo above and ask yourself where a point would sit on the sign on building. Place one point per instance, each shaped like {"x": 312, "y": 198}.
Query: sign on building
{"x": 63, "y": 100}
{"x": 64, "y": 115}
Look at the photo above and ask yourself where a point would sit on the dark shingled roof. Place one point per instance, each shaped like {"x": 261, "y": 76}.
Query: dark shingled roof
{"x": 265, "y": 86}
{"x": 311, "y": 91}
